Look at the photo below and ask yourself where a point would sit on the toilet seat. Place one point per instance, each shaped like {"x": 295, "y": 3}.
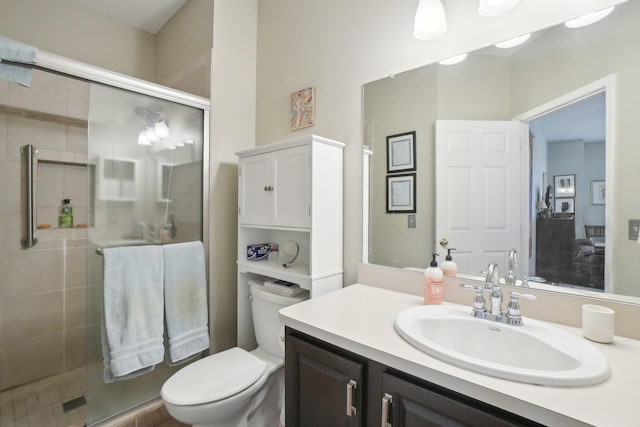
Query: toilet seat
{"x": 213, "y": 378}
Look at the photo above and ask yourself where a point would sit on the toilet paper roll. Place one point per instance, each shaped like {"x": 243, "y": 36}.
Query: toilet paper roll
{"x": 598, "y": 323}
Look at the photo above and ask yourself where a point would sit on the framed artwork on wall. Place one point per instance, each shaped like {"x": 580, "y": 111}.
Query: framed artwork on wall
{"x": 564, "y": 185}
{"x": 302, "y": 106}
{"x": 401, "y": 152}
{"x": 565, "y": 206}
{"x": 401, "y": 193}
{"x": 598, "y": 192}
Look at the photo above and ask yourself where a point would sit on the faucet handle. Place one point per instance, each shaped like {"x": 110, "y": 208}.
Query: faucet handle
{"x": 513, "y": 309}
{"x": 478, "y": 302}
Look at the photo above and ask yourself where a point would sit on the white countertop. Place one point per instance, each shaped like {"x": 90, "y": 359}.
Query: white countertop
{"x": 360, "y": 319}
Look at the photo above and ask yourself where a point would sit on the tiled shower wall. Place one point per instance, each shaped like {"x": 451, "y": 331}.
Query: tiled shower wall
{"x": 44, "y": 319}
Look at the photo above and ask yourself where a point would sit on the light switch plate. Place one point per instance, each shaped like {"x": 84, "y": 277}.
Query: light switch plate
{"x": 634, "y": 228}
{"x": 411, "y": 221}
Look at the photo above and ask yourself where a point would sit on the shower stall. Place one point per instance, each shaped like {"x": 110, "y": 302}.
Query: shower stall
{"x": 131, "y": 157}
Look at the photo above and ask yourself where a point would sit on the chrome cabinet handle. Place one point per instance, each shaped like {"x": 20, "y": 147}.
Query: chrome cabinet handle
{"x": 387, "y": 400}
{"x": 351, "y": 410}
{"x": 30, "y": 239}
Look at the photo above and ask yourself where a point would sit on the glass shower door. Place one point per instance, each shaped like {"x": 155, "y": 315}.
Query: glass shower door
{"x": 146, "y": 187}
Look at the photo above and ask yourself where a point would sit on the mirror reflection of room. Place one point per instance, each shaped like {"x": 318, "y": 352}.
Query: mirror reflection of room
{"x": 571, "y": 90}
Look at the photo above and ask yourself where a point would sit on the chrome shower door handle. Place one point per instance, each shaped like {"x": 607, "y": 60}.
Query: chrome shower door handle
{"x": 351, "y": 409}
{"x": 30, "y": 239}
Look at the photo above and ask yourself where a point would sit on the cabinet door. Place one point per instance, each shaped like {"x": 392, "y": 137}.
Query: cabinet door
{"x": 410, "y": 405}
{"x": 291, "y": 188}
{"x": 321, "y": 387}
{"x": 255, "y": 193}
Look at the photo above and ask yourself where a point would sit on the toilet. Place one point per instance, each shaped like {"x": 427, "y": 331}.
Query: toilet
{"x": 236, "y": 388}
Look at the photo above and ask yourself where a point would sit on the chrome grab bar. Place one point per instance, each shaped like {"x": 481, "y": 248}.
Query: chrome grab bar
{"x": 30, "y": 239}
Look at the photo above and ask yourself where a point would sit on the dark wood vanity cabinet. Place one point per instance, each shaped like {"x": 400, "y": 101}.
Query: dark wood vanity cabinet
{"x": 322, "y": 387}
{"x": 329, "y": 386}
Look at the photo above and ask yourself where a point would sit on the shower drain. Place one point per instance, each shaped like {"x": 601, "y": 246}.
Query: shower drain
{"x": 73, "y": 403}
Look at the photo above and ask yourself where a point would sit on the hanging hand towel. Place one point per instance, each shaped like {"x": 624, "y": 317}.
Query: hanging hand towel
{"x": 12, "y": 55}
{"x": 133, "y": 311}
{"x": 185, "y": 299}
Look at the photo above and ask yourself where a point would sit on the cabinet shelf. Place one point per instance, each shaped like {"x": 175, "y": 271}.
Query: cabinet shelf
{"x": 297, "y": 273}
{"x": 290, "y": 191}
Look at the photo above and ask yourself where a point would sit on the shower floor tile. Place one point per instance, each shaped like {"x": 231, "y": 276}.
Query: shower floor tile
{"x": 40, "y": 402}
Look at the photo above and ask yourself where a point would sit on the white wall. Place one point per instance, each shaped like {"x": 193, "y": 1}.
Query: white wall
{"x": 337, "y": 46}
{"x": 67, "y": 28}
{"x": 233, "y": 88}
{"x": 183, "y": 49}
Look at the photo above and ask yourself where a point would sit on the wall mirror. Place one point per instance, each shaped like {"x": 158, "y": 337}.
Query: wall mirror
{"x": 573, "y": 95}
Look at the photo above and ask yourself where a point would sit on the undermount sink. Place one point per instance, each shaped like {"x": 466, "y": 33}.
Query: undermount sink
{"x": 535, "y": 352}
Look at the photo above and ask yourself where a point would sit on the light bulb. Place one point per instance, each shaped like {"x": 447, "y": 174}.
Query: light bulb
{"x": 496, "y": 7}
{"x": 179, "y": 144}
{"x": 161, "y": 129}
{"x": 589, "y": 19}
{"x": 516, "y": 41}
{"x": 189, "y": 141}
{"x": 151, "y": 134}
{"x": 453, "y": 60}
{"x": 171, "y": 147}
{"x": 142, "y": 138}
{"x": 430, "y": 21}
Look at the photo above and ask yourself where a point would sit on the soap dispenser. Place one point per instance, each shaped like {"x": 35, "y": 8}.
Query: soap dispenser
{"x": 66, "y": 214}
{"x": 433, "y": 286}
{"x": 449, "y": 268}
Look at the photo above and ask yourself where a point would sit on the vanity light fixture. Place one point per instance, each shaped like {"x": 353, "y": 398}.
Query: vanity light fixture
{"x": 516, "y": 41}
{"x": 453, "y": 60}
{"x": 496, "y": 7}
{"x": 430, "y": 21}
{"x": 589, "y": 19}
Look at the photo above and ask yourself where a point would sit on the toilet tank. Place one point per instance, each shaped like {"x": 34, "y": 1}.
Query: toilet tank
{"x": 265, "y": 305}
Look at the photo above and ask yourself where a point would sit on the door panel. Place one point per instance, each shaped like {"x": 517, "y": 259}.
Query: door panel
{"x": 292, "y": 188}
{"x": 254, "y": 201}
{"x": 316, "y": 384}
{"x": 479, "y": 191}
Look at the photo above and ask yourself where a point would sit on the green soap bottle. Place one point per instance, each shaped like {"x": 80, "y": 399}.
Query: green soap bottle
{"x": 66, "y": 214}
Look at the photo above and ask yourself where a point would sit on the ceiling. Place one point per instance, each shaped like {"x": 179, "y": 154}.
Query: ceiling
{"x": 148, "y": 15}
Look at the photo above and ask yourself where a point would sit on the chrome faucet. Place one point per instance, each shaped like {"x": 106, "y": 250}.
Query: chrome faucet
{"x": 492, "y": 284}
{"x": 513, "y": 271}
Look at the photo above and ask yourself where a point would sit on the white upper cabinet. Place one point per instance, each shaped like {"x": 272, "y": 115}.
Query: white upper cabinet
{"x": 275, "y": 188}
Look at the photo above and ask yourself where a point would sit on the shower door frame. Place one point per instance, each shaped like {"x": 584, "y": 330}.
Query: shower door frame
{"x": 75, "y": 69}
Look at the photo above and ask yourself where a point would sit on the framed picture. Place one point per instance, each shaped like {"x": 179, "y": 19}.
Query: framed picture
{"x": 598, "y": 192}
{"x": 564, "y": 185}
{"x": 401, "y": 152}
{"x": 566, "y": 205}
{"x": 401, "y": 193}
{"x": 302, "y": 105}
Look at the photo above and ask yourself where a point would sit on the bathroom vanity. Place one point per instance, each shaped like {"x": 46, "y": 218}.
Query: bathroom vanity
{"x": 343, "y": 355}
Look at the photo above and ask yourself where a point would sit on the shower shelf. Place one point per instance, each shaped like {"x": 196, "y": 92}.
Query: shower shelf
{"x": 43, "y": 117}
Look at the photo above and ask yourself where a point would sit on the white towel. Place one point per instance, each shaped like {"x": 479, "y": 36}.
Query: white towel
{"x": 13, "y": 51}
{"x": 133, "y": 311}
{"x": 185, "y": 299}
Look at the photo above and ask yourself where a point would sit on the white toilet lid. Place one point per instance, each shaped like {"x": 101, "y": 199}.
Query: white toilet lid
{"x": 213, "y": 378}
